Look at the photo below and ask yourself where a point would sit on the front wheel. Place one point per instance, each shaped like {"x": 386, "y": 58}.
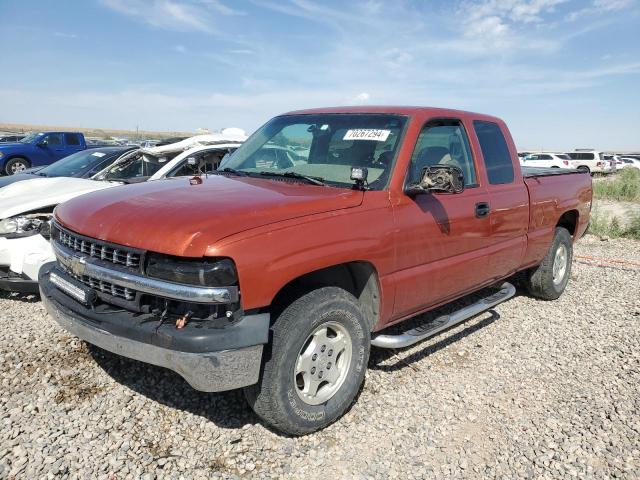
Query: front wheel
{"x": 549, "y": 279}
{"x": 16, "y": 165}
{"x": 316, "y": 364}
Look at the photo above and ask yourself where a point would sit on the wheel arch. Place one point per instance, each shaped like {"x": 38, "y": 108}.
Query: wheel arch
{"x": 5, "y": 160}
{"x": 569, "y": 220}
{"x": 360, "y": 278}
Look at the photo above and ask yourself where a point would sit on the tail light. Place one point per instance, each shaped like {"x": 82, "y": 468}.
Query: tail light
{"x": 600, "y": 164}
{"x": 565, "y": 162}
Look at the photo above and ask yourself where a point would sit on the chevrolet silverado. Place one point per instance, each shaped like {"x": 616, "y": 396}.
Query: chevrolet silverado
{"x": 277, "y": 273}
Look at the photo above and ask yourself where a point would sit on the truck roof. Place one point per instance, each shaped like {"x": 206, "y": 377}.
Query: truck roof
{"x": 398, "y": 110}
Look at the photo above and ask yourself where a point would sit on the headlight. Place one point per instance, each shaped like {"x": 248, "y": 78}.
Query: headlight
{"x": 1, "y": 154}
{"x": 220, "y": 272}
{"x": 24, "y": 226}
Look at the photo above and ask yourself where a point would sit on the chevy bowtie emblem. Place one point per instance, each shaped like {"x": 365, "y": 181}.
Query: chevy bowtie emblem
{"x": 77, "y": 265}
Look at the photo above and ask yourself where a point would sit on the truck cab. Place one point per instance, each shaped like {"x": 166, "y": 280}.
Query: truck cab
{"x": 39, "y": 149}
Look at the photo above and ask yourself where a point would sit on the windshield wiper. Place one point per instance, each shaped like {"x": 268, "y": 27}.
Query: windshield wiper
{"x": 232, "y": 171}
{"x": 297, "y": 176}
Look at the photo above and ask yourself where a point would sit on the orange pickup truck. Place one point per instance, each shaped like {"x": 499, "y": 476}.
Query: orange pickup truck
{"x": 277, "y": 272}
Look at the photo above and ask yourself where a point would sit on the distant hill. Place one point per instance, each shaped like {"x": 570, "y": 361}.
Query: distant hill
{"x": 94, "y": 132}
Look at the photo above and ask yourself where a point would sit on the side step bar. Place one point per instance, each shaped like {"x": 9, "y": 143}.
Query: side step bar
{"x": 444, "y": 322}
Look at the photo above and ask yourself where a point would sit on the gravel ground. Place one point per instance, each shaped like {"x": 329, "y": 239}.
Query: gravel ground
{"x": 533, "y": 389}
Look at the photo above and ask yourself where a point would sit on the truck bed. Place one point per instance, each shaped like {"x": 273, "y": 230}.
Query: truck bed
{"x": 530, "y": 172}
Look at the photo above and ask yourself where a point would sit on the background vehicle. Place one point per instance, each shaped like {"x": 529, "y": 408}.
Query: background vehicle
{"x": 39, "y": 149}
{"x": 589, "y": 161}
{"x": 548, "y": 160}
{"x": 26, "y": 207}
{"x": 83, "y": 164}
{"x": 12, "y": 137}
{"x": 630, "y": 162}
{"x": 391, "y": 212}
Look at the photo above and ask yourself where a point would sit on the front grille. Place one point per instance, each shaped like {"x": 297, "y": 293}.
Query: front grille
{"x": 96, "y": 249}
{"x": 108, "y": 288}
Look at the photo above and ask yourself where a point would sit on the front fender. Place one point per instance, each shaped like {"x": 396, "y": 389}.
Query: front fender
{"x": 269, "y": 258}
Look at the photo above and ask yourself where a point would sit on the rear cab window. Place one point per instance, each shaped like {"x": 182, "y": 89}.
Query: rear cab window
{"x": 497, "y": 159}
{"x": 72, "y": 139}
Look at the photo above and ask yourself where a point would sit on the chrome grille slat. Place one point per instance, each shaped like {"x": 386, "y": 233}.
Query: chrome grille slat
{"x": 107, "y": 287}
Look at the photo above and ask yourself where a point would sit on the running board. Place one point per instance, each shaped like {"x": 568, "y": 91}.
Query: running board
{"x": 444, "y": 322}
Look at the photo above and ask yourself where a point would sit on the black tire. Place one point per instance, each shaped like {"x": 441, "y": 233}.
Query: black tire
{"x": 540, "y": 280}
{"x": 275, "y": 398}
{"x": 584, "y": 168}
{"x": 16, "y": 165}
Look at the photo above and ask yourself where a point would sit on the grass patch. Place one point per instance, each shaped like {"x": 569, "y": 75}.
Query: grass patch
{"x": 611, "y": 227}
{"x": 624, "y": 187}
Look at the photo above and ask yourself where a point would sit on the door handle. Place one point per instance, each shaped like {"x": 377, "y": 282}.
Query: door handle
{"x": 482, "y": 209}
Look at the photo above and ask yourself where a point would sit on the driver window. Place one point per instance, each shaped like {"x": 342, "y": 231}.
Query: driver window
{"x": 53, "y": 139}
{"x": 443, "y": 143}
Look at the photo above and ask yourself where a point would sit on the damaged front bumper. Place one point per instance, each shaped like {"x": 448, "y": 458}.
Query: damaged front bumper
{"x": 209, "y": 359}
{"x": 21, "y": 260}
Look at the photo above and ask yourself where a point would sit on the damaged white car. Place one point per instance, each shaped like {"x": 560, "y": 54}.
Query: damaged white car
{"x": 26, "y": 207}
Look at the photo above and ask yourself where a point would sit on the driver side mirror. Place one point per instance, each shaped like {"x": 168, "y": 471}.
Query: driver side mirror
{"x": 438, "y": 179}
{"x": 42, "y": 143}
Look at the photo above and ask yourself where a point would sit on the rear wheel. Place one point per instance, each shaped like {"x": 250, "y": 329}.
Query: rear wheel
{"x": 584, "y": 168}
{"x": 316, "y": 364}
{"x": 549, "y": 279}
{"x": 16, "y": 165}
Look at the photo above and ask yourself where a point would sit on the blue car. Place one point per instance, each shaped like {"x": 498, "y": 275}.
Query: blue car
{"x": 39, "y": 149}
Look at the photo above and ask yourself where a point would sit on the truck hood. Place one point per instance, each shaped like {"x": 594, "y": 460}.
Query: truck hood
{"x": 30, "y": 195}
{"x": 15, "y": 147}
{"x": 176, "y": 218}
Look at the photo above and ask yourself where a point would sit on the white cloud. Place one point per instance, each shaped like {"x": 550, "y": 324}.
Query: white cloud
{"x": 520, "y": 11}
{"x": 361, "y": 98}
{"x": 172, "y": 14}
{"x": 612, "y": 5}
{"x": 487, "y": 27}
{"x": 495, "y": 26}
{"x": 180, "y": 49}
{"x": 65, "y": 35}
{"x": 221, "y": 8}
{"x": 601, "y": 6}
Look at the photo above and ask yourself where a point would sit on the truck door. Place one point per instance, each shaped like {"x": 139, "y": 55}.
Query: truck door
{"x": 73, "y": 143}
{"x": 508, "y": 199}
{"x": 52, "y": 148}
{"x": 441, "y": 238}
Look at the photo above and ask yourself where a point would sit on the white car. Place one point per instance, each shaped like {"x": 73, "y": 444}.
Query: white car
{"x": 26, "y": 207}
{"x": 590, "y": 161}
{"x": 548, "y": 160}
{"x": 630, "y": 162}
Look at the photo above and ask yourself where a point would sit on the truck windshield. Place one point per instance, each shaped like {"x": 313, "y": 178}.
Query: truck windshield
{"x": 30, "y": 138}
{"x": 323, "y": 146}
